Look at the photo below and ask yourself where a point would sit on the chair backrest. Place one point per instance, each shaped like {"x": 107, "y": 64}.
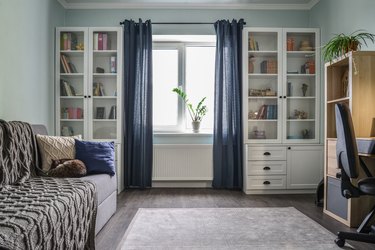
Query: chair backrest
{"x": 346, "y": 147}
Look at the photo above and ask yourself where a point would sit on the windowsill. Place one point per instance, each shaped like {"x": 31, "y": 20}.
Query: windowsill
{"x": 184, "y": 133}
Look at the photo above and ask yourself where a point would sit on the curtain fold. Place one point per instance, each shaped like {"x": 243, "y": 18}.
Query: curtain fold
{"x": 137, "y": 94}
{"x": 228, "y": 139}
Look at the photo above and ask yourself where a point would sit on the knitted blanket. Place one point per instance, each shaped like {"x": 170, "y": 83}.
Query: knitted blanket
{"x": 17, "y": 152}
{"x": 40, "y": 212}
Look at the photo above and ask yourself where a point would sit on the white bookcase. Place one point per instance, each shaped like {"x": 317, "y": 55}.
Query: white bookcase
{"x": 281, "y": 100}
{"x": 88, "y": 99}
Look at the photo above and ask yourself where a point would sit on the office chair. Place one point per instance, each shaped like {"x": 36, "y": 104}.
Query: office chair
{"x": 349, "y": 162}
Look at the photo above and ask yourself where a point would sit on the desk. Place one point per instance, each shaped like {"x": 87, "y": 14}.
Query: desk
{"x": 348, "y": 211}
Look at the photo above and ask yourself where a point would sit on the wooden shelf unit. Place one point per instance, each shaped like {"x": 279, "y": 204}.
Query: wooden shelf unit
{"x": 360, "y": 97}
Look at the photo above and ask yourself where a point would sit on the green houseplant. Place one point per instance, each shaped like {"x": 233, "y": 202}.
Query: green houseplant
{"x": 341, "y": 44}
{"x": 197, "y": 113}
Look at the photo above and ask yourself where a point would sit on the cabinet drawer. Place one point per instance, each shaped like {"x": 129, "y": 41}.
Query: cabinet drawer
{"x": 267, "y": 153}
{"x": 266, "y": 167}
{"x": 332, "y": 167}
{"x": 266, "y": 182}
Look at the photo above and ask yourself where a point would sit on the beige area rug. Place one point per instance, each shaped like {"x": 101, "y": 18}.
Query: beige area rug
{"x": 224, "y": 229}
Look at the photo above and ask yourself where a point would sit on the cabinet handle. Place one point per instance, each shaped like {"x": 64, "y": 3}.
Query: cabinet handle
{"x": 89, "y": 96}
{"x": 266, "y": 168}
{"x": 266, "y": 183}
{"x": 267, "y": 153}
{"x": 284, "y": 96}
{"x": 280, "y": 97}
{"x": 289, "y": 148}
{"x": 85, "y": 96}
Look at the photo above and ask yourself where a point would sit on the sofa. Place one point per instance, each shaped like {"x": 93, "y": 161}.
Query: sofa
{"x": 106, "y": 190}
{"x": 39, "y": 212}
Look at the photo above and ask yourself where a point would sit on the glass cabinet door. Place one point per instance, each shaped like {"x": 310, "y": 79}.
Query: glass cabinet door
{"x": 261, "y": 100}
{"x": 301, "y": 86}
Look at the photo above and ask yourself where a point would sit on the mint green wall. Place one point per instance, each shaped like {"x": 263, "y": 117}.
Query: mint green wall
{"x": 341, "y": 16}
{"x": 259, "y": 18}
{"x": 27, "y": 59}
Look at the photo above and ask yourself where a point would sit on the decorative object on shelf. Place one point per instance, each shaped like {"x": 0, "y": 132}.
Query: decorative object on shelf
{"x": 259, "y": 134}
{"x": 290, "y": 44}
{"x": 252, "y": 115}
{"x": 305, "y": 133}
{"x": 253, "y": 44}
{"x": 300, "y": 114}
{"x": 100, "y": 113}
{"x": 304, "y": 89}
{"x": 251, "y": 64}
{"x": 345, "y": 83}
{"x": 98, "y": 89}
{"x": 100, "y": 70}
{"x": 305, "y": 46}
{"x": 197, "y": 113}
{"x": 80, "y": 46}
{"x": 341, "y": 44}
{"x": 262, "y": 92}
{"x": 113, "y": 64}
{"x": 67, "y": 131}
{"x": 290, "y": 89}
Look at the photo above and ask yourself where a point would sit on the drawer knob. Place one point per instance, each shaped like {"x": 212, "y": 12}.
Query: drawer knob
{"x": 266, "y": 168}
{"x": 267, "y": 153}
{"x": 266, "y": 183}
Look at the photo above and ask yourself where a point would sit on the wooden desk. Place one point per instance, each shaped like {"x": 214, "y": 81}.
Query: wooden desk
{"x": 348, "y": 211}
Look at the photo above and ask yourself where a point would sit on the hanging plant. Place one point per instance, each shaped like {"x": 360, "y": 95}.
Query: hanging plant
{"x": 341, "y": 44}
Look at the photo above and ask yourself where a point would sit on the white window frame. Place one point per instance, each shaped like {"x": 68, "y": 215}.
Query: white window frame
{"x": 181, "y": 47}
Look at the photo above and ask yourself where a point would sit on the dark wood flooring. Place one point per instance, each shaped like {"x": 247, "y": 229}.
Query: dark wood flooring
{"x": 129, "y": 201}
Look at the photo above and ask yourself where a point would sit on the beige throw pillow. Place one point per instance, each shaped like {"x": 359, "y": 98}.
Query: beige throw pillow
{"x": 55, "y": 147}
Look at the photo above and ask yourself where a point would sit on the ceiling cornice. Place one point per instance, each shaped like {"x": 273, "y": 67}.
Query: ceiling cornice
{"x": 233, "y": 6}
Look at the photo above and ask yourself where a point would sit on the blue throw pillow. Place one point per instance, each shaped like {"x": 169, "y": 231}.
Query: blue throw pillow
{"x": 98, "y": 157}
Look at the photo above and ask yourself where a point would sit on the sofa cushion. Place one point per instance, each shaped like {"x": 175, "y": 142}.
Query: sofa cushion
{"x": 105, "y": 185}
{"x": 54, "y": 148}
{"x": 98, "y": 157}
{"x": 67, "y": 168}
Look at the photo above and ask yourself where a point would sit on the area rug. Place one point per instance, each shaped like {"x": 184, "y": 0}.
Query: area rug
{"x": 224, "y": 229}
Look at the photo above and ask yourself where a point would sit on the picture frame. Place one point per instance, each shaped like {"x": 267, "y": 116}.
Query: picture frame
{"x": 100, "y": 113}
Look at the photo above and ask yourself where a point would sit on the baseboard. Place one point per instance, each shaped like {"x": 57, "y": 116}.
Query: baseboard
{"x": 182, "y": 184}
{"x": 281, "y": 191}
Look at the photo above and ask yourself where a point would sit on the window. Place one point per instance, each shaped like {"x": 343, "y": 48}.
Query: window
{"x": 191, "y": 66}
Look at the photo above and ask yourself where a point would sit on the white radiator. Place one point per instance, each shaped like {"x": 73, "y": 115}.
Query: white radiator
{"x": 182, "y": 162}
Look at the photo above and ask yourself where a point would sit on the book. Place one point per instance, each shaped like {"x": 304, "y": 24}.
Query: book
{"x": 100, "y": 41}
{"x": 65, "y": 62}
{"x": 112, "y": 113}
{"x": 105, "y": 41}
{"x": 72, "y": 67}
{"x": 113, "y": 64}
{"x": 96, "y": 36}
{"x": 63, "y": 66}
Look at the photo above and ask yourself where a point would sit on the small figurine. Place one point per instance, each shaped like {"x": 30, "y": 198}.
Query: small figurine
{"x": 304, "y": 88}
{"x": 79, "y": 46}
{"x": 300, "y": 114}
{"x": 305, "y": 133}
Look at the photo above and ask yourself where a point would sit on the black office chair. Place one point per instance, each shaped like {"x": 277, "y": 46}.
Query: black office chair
{"x": 349, "y": 162}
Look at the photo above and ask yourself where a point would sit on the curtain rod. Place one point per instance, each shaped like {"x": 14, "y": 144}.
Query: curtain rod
{"x": 121, "y": 23}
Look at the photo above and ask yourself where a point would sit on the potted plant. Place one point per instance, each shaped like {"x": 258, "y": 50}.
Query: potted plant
{"x": 341, "y": 44}
{"x": 196, "y": 113}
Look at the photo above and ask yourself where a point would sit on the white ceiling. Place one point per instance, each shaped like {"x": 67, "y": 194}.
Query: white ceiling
{"x": 189, "y": 4}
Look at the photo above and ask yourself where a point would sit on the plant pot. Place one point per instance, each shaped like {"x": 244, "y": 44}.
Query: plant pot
{"x": 196, "y": 126}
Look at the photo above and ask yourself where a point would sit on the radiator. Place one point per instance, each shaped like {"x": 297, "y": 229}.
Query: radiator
{"x": 182, "y": 162}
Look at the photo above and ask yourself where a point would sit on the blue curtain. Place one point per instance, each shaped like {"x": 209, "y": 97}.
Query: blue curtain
{"x": 137, "y": 93}
{"x": 227, "y": 143}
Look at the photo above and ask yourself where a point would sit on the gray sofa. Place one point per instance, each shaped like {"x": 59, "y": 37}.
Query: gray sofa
{"x": 106, "y": 187}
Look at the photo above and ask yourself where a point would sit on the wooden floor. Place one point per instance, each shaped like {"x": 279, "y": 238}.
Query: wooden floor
{"x": 130, "y": 200}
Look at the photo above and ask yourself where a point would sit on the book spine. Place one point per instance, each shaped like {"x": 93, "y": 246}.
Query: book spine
{"x": 268, "y": 113}
{"x": 105, "y": 41}
{"x": 69, "y": 43}
{"x": 66, "y": 63}
{"x": 113, "y": 65}
{"x": 65, "y": 38}
{"x": 96, "y": 35}
{"x": 100, "y": 41}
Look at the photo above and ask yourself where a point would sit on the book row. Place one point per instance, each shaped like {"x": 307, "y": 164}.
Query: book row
{"x": 66, "y": 65}
{"x": 101, "y": 41}
{"x": 268, "y": 112}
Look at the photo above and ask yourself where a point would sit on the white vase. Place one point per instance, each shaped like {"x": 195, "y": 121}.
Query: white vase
{"x": 196, "y": 126}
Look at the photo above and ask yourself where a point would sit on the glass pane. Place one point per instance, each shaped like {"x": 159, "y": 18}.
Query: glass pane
{"x": 301, "y": 118}
{"x": 165, "y": 78}
{"x": 262, "y": 117}
{"x": 200, "y": 76}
